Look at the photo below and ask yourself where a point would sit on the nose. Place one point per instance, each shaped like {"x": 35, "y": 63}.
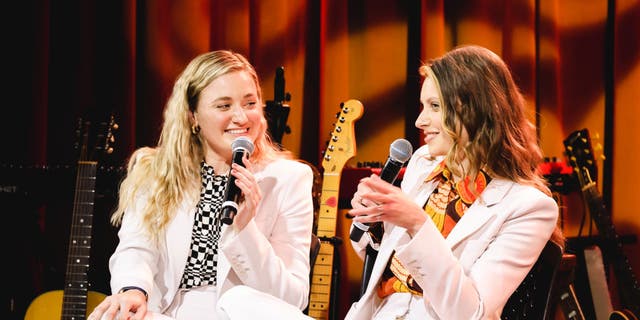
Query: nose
{"x": 239, "y": 115}
{"x": 423, "y": 119}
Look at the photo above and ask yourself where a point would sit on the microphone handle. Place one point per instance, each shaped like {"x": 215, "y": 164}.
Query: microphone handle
{"x": 232, "y": 193}
{"x": 358, "y": 230}
{"x": 228, "y": 212}
{"x": 389, "y": 173}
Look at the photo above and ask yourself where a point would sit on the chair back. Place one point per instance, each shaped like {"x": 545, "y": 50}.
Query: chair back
{"x": 533, "y": 299}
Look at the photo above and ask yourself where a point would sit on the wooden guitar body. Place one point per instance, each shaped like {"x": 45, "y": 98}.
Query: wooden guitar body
{"x": 48, "y": 306}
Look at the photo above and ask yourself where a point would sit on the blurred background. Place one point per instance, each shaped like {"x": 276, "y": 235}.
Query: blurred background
{"x": 577, "y": 63}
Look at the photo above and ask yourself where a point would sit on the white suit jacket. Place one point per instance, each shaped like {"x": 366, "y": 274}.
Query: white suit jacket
{"x": 270, "y": 254}
{"x": 471, "y": 273}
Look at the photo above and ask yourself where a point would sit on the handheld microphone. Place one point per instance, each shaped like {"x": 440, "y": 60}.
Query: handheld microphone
{"x": 241, "y": 146}
{"x": 399, "y": 152}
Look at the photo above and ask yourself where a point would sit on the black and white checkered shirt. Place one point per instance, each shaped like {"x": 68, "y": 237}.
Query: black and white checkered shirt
{"x": 203, "y": 260}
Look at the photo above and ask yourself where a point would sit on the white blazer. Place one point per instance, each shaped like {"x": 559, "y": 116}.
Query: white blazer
{"x": 472, "y": 273}
{"x": 271, "y": 254}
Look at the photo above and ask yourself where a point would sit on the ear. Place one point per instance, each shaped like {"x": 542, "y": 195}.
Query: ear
{"x": 192, "y": 118}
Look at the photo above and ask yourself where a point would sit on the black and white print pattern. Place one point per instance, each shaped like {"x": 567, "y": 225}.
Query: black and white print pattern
{"x": 202, "y": 261}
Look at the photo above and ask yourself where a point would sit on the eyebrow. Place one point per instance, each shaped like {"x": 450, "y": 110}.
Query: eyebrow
{"x": 248, "y": 95}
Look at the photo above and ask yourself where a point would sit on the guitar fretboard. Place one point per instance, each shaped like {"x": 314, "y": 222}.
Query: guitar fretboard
{"x": 340, "y": 149}
{"x": 76, "y": 281}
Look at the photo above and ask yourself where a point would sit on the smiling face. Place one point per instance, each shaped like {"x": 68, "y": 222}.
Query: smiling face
{"x": 430, "y": 120}
{"x": 229, "y": 107}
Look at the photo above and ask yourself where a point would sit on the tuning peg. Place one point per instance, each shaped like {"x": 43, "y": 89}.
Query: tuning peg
{"x": 115, "y": 126}
{"x": 109, "y": 150}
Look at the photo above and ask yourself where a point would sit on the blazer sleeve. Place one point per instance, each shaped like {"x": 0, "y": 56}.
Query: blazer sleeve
{"x": 271, "y": 253}
{"x": 135, "y": 259}
{"x": 475, "y": 278}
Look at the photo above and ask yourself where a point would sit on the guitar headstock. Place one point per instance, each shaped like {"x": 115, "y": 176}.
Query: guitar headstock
{"x": 580, "y": 154}
{"x": 95, "y": 140}
{"x": 342, "y": 145}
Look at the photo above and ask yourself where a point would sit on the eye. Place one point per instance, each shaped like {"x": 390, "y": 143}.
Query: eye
{"x": 435, "y": 106}
{"x": 250, "y": 104}
{"x": 223, "y": 106}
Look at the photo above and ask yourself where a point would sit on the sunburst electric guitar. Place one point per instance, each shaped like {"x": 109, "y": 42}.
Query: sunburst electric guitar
{"x": 76, "y": 301}
{"x": 340, "y": 149}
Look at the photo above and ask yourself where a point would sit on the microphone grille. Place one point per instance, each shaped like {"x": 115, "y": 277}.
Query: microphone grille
{"x": 242, "y": 143}
{"x": 400, "y": 150}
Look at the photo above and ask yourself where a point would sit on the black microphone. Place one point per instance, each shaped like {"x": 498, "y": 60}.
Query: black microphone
{"x": 399, "y": 152}
{"x": 241, "y": 146}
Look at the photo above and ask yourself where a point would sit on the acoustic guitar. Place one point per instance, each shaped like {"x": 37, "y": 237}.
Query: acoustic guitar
{"x": 580, "y": 152}
{"x": 340, "y": 149}
{"x": 76, "y": 301}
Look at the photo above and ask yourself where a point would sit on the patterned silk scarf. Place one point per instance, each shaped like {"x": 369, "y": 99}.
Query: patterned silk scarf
{"x": 445, "y": 206}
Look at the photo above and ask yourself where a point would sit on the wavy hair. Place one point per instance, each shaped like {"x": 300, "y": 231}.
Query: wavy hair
{"x": 168, "y": 174}
{"x": 478, "y": 93}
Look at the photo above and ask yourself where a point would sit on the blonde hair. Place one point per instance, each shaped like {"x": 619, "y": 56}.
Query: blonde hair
{"x": 168, "y": 174}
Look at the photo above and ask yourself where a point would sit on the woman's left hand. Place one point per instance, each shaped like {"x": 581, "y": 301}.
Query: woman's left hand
{"x": 247, "y": 183}
{"x": 386, "y": 202}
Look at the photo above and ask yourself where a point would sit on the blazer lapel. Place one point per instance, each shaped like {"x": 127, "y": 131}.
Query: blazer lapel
{"x": 478, "y": 214}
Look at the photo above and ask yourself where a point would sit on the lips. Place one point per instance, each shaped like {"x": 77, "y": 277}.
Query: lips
{"x": 428, "y": 136}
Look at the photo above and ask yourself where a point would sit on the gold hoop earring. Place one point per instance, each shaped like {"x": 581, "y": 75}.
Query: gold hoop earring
{"x": 195, "y": 129}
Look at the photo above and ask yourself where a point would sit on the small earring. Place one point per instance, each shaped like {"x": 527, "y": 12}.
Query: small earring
{"x": 195, "y": 129}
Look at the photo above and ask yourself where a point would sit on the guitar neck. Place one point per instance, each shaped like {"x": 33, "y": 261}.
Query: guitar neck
{"x": 327, "y": 217}
{"x": 76, "y": 280}
{"x": 340, "y": 149}
{"x": 629, "y": 289}
{"x": 320, "y": 299}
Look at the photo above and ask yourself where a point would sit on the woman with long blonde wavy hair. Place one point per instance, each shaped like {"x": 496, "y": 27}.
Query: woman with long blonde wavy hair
{"x": 175, "y": 258}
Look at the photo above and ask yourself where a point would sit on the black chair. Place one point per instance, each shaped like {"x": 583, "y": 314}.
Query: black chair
{"x": 534, "y": 297}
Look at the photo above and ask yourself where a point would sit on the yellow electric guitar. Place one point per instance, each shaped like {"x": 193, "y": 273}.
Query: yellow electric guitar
{"x": 76, "y": 301}
{"x": 340, "y": 149}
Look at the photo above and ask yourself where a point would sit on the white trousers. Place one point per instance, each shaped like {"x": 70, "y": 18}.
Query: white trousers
{"x": 237, "y": 303}
{"x": 242, "y": 302}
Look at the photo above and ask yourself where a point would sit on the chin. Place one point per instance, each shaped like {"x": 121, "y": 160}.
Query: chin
{"x": 436, "y": 152}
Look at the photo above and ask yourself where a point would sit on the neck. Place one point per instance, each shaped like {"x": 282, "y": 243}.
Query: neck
{"x": 459, "y": 170}
{"x": 220, "y": 167}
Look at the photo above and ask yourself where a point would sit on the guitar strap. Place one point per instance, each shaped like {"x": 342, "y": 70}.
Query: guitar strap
{"x": 598, "y": 282}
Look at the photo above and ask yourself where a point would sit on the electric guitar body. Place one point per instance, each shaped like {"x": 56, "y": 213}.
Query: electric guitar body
{"x": 340, "y": 149}
{"x": 76, "y": 301}
{"x": 622, "y": 315}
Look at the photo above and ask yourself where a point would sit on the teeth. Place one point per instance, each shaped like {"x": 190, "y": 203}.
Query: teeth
{"x": 237, "y": 131}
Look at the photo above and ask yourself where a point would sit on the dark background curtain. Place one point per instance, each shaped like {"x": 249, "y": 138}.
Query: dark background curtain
{"x": 578, "y": 64}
